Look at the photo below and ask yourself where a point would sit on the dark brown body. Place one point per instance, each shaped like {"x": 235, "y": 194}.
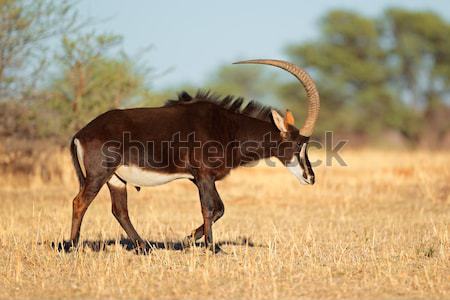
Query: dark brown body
{"x": 201, "y": 138}
{"x": 207, "y": 123}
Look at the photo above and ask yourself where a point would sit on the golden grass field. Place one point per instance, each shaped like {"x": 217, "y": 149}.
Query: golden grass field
{"x": 376, "y": 229}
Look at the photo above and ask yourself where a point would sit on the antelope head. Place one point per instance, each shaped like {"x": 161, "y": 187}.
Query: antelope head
{"x": 293, "y": 149}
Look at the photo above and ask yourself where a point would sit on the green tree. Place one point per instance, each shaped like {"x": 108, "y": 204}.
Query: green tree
{"x": 94, "y": 77}
{"x": 25, "y": 28}
{"x": 347, "y": 62}
{"x": 69, "y": 85}
{"x": 419, "y": 57}
{"x": 371, "y": 71}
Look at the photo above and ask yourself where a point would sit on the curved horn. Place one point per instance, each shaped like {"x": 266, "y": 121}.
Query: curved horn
{"x": 307, "y": 82}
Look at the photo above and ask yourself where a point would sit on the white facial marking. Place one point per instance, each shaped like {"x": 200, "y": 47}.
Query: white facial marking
{"x": 296, "y": 168}
{"x": 140, "y": 177}
{"x": 303, "y": 151}
{"x": 80, "y": 153}
{"x": 115, "y": 181}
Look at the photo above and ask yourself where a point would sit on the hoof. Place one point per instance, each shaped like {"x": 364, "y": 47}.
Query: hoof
{"x": 187, "y": 242}
{"x": 216, "y": 249}
{"x": 143, "y": 249}
{"x": 67, "y": 246}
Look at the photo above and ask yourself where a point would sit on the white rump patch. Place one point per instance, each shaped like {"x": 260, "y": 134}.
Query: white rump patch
{"x": 140, "y": 177}
{"x": 80, "y": 155}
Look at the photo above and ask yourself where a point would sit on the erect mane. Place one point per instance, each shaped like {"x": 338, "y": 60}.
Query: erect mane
{"x": 231, "y": 103}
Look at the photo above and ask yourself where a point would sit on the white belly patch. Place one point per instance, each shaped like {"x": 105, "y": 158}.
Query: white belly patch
{"x": 139, "y": 177}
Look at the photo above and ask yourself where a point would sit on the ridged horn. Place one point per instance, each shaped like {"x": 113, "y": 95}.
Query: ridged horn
{"x": 307, "y": 82}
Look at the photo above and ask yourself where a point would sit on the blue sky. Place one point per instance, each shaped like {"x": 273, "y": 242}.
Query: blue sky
{"x": 192, "y": 38}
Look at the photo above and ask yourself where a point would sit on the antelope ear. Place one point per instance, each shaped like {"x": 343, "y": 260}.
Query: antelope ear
{"x": 289, "y": 119}
{"x": 279, "y": 121}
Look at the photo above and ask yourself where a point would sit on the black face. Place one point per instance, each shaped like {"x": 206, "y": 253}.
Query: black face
{"x": 305, "y": 164}
{"x": 296, "y": 159}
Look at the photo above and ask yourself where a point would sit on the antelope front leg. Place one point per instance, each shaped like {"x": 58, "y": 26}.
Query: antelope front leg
{"x": 212, "y": 210}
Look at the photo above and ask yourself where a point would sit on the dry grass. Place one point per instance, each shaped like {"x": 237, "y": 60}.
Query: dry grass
{"x": 378, "y": 228}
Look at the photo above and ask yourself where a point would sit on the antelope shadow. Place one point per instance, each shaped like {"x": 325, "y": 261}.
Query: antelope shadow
{"x": 127, "y": 244}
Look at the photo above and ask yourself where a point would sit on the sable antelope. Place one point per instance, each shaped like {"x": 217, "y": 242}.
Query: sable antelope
{"x": 136, "y": 147}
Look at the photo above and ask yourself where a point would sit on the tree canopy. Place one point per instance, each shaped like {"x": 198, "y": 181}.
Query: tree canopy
{"x": 380, "y": 74}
